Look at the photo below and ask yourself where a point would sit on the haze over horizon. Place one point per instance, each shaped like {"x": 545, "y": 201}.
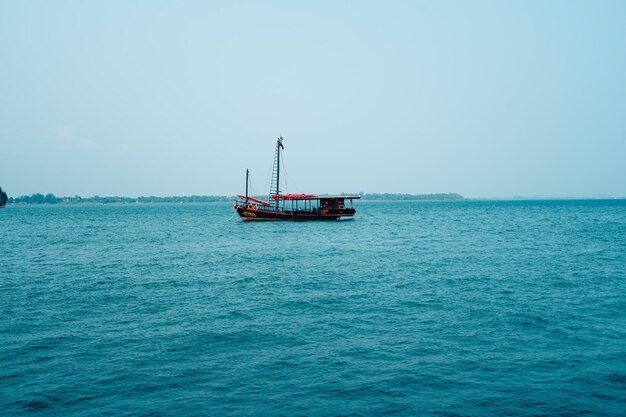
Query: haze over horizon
{"x": 484, "y": 99}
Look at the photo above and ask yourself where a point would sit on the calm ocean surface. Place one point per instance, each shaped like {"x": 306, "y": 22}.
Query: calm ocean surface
{"x": 413, "y": 308}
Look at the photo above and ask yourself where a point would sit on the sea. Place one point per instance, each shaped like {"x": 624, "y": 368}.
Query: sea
{"x": 459, "y": 308}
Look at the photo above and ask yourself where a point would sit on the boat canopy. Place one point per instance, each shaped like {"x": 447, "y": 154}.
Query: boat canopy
{"x": 313, "y": 197}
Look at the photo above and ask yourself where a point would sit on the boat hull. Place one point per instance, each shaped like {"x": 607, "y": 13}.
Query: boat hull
{"x": 247, "y": 214}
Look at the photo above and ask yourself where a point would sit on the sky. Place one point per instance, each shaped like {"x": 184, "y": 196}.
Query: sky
{"x": 482, "y": 98}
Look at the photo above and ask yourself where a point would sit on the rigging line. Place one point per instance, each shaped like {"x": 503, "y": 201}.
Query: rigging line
{"x": 234, "y": 212}
{"x": 285, "y": 175}
{"x": 271, "y": 176}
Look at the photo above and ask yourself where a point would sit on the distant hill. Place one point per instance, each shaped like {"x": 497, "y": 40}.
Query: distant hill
{"x": 3, "y": 198}
{"x": 52, "y": 199}
{"x": 413, "y": 197}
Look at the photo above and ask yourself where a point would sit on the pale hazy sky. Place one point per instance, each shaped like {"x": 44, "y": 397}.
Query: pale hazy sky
{"x": 487, "y": 99}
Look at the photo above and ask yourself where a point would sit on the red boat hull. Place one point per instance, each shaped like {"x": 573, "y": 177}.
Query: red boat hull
{"x": 262, "y": 213}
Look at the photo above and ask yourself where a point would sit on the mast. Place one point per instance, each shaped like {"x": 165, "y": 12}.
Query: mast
{"x": 247, "y": 176}
{"x": 278, "y": 144}
{"x": 275, "y": 183}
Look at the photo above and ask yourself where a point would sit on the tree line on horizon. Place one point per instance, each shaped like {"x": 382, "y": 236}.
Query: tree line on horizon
{"x": 411, "y": 197}
{"x": 39, "y": 198}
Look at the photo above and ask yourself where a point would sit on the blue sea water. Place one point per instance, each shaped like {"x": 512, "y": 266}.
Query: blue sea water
{"x": 413, "y": 308}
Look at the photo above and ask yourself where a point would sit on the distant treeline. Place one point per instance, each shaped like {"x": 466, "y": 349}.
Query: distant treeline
{"x": 52, "y": 199}
{"x": 412, "y": 197}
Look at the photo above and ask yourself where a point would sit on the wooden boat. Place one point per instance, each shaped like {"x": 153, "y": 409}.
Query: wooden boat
{"x": 292, "y": 206}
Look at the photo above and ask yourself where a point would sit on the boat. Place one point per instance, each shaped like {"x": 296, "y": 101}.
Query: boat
{"x": 292, "y": 206}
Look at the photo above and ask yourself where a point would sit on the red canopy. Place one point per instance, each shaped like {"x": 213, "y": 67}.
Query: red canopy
{"x": 294, "y": 197}
{"x": 312, "y": 197}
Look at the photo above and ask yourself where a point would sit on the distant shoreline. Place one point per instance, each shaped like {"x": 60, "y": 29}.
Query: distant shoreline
{"x": 52, "y": 199}
{"x": 38, "y": 199}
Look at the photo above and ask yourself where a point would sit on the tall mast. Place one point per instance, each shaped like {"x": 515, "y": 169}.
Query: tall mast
{"x": 247, "y": 176}
{"x": 275, "y": 183}
{"x": 278, "y": 145}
